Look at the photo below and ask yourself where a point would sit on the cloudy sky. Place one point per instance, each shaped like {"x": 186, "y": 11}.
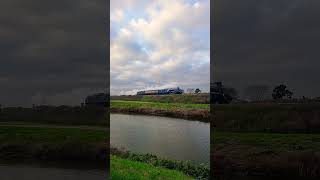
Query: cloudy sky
{"x": 57, "y": 53}
{"x": 52, "y": 52}
{"x": 159, "y": 44}
{"x": 267, "y": 42}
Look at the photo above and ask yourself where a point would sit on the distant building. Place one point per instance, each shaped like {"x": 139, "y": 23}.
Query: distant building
{"x": 99, "y": 99}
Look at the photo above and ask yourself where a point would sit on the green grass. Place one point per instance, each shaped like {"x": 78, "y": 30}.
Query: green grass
{"x": 131, "y": 170}
{"x": 266, "y": 154}
{"x": 267, "y": 117}
{"x": 63, "y": 115}
{"x": 156, "y": 105}
{"x": 266, "y": 139}
{"x": 273, "y": 141}
{"x": 50, "y": 135}
{"x": 202, "y": 98}
{"x": 199, "y": 171}
{"x": 57, "y": 144}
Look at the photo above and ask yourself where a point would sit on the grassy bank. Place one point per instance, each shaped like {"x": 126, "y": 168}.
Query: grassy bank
{"x": 266, "y": 140}
{"x": 56, "y": 144}
{"x": 291, "y": 118}
{"x": 62, "y": 115}
{"x": 266, "y": 154}
{"x": 128, "y": 169}
{"x": 187, "y": 111}
{"x": 202, "y": 98}
{"x": 199, "y": 171}
{"x": 157, "y": 105}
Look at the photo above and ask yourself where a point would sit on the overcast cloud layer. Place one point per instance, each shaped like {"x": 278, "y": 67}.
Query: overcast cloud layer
{"x": 159, "y": 44}
{"x": 267, "y": 42}
{"x": 52, "y": 52}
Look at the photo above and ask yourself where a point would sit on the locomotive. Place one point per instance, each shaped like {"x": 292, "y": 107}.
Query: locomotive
{"x": 161, "y": 91}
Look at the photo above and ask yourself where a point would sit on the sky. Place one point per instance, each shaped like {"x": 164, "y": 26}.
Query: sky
{"x": 52, "y": 52}
{"x": 267, "y": 42}
{"x": 159, "y": 44}
{"x": 57, "y": 53}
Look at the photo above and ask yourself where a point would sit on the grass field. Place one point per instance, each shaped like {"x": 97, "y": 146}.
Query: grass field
{"x": 53, "y": 143}
{"x": 126, "y": 169}
{"x": 266, "y": 139}
{"x": 283, "y": 118}
{"x": 62, "y": 115}
{"x": 266, "y": 154}
{"x": 274, "y": 142}
{"x": 55, "y": 135}
{"x": 198, "y": 112}
{"x": 202, "y": 98}
{"x": 157, "y": 105}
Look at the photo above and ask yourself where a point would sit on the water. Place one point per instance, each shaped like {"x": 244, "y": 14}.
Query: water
{"x": 24, "y": 172}
{"x": 166, "y": 137}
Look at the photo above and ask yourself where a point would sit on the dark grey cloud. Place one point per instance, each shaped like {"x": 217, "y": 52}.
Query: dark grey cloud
{"x": 267, "y": 42}
{"x": 52, "y": 49}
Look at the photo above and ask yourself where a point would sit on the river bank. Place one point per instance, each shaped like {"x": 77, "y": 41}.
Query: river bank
{"x": 152, "y": 140}
{"x": 128, "y": 169}
{"x": 201, "y": 98}
{"x": 199, "y": 171}
{"x": 196, "y": 112}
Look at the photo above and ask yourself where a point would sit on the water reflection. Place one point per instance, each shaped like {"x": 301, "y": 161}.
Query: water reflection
{"x": 166, "y": 137}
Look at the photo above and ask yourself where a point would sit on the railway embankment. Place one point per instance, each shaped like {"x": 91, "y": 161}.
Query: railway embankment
{"x": 197, "y": 112}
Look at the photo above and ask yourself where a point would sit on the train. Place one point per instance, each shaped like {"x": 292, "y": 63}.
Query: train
{"x": 162, "y": 91}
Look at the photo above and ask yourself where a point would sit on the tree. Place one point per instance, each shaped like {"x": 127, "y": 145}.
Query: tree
{"x": 197, "y": 91}
{"x": 281, "y": 91}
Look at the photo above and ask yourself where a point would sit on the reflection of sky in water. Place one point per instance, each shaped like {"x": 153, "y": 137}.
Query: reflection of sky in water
{"x": 166, "y": 137}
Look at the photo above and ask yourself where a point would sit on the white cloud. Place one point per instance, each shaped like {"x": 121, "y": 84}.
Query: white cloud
{"x": 116, "y": 16}
{"x": 165, "y": 44}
